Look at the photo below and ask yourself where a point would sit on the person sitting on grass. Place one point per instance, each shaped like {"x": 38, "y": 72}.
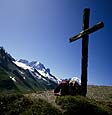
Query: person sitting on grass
{"x": 68, "y": 87}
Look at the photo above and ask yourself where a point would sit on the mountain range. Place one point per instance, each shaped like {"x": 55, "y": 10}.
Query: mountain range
{"x": 22, "y": 75}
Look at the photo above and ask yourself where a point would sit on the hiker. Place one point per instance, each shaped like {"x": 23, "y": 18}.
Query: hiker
{"x": 62, "y": 88}
{"x": 74, "y": 88}
{"x": 68, "y": 87}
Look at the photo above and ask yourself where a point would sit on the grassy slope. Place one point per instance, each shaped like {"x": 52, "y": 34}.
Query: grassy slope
{"x": 100, "y": 93}
{"x": 98, "y": 101}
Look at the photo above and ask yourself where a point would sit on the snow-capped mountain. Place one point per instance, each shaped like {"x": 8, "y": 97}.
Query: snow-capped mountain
{"x": 39, "y": 67}
{"x": 23, "y": 75}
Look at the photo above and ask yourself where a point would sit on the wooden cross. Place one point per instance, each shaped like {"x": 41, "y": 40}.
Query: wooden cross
{"x": 85, "y": 39}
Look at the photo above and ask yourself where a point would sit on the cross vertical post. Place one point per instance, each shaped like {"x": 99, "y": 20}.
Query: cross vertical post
{"x": 84, "y": 34}
{"x": 85, "y": 41}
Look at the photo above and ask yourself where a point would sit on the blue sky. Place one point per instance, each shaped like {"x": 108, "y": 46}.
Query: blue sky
{"x": 40, "y": 30}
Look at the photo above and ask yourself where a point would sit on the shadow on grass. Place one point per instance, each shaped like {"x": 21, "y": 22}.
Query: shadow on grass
{"x": 75, "y": 105}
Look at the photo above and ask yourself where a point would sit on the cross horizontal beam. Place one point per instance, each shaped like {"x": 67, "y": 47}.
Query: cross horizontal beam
{"x": 87, "y": 31}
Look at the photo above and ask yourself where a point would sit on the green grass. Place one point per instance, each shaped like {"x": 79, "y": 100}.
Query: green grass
{"x": 75, "y": 105}
{"x": 100, "y": 93}
{"x": 45, "y": 103}
{"x": 97, "y": 97}
{"x": 17, "y": 104}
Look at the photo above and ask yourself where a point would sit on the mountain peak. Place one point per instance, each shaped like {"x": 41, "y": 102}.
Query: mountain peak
{"x": 23, "y": 61}
{"x": 24, "y": 74}
{"x": 35, "y": 64}
{"x": 38, "y": 66}
{"x": 4, "y": 56}
{"x": 2, "y": 51}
